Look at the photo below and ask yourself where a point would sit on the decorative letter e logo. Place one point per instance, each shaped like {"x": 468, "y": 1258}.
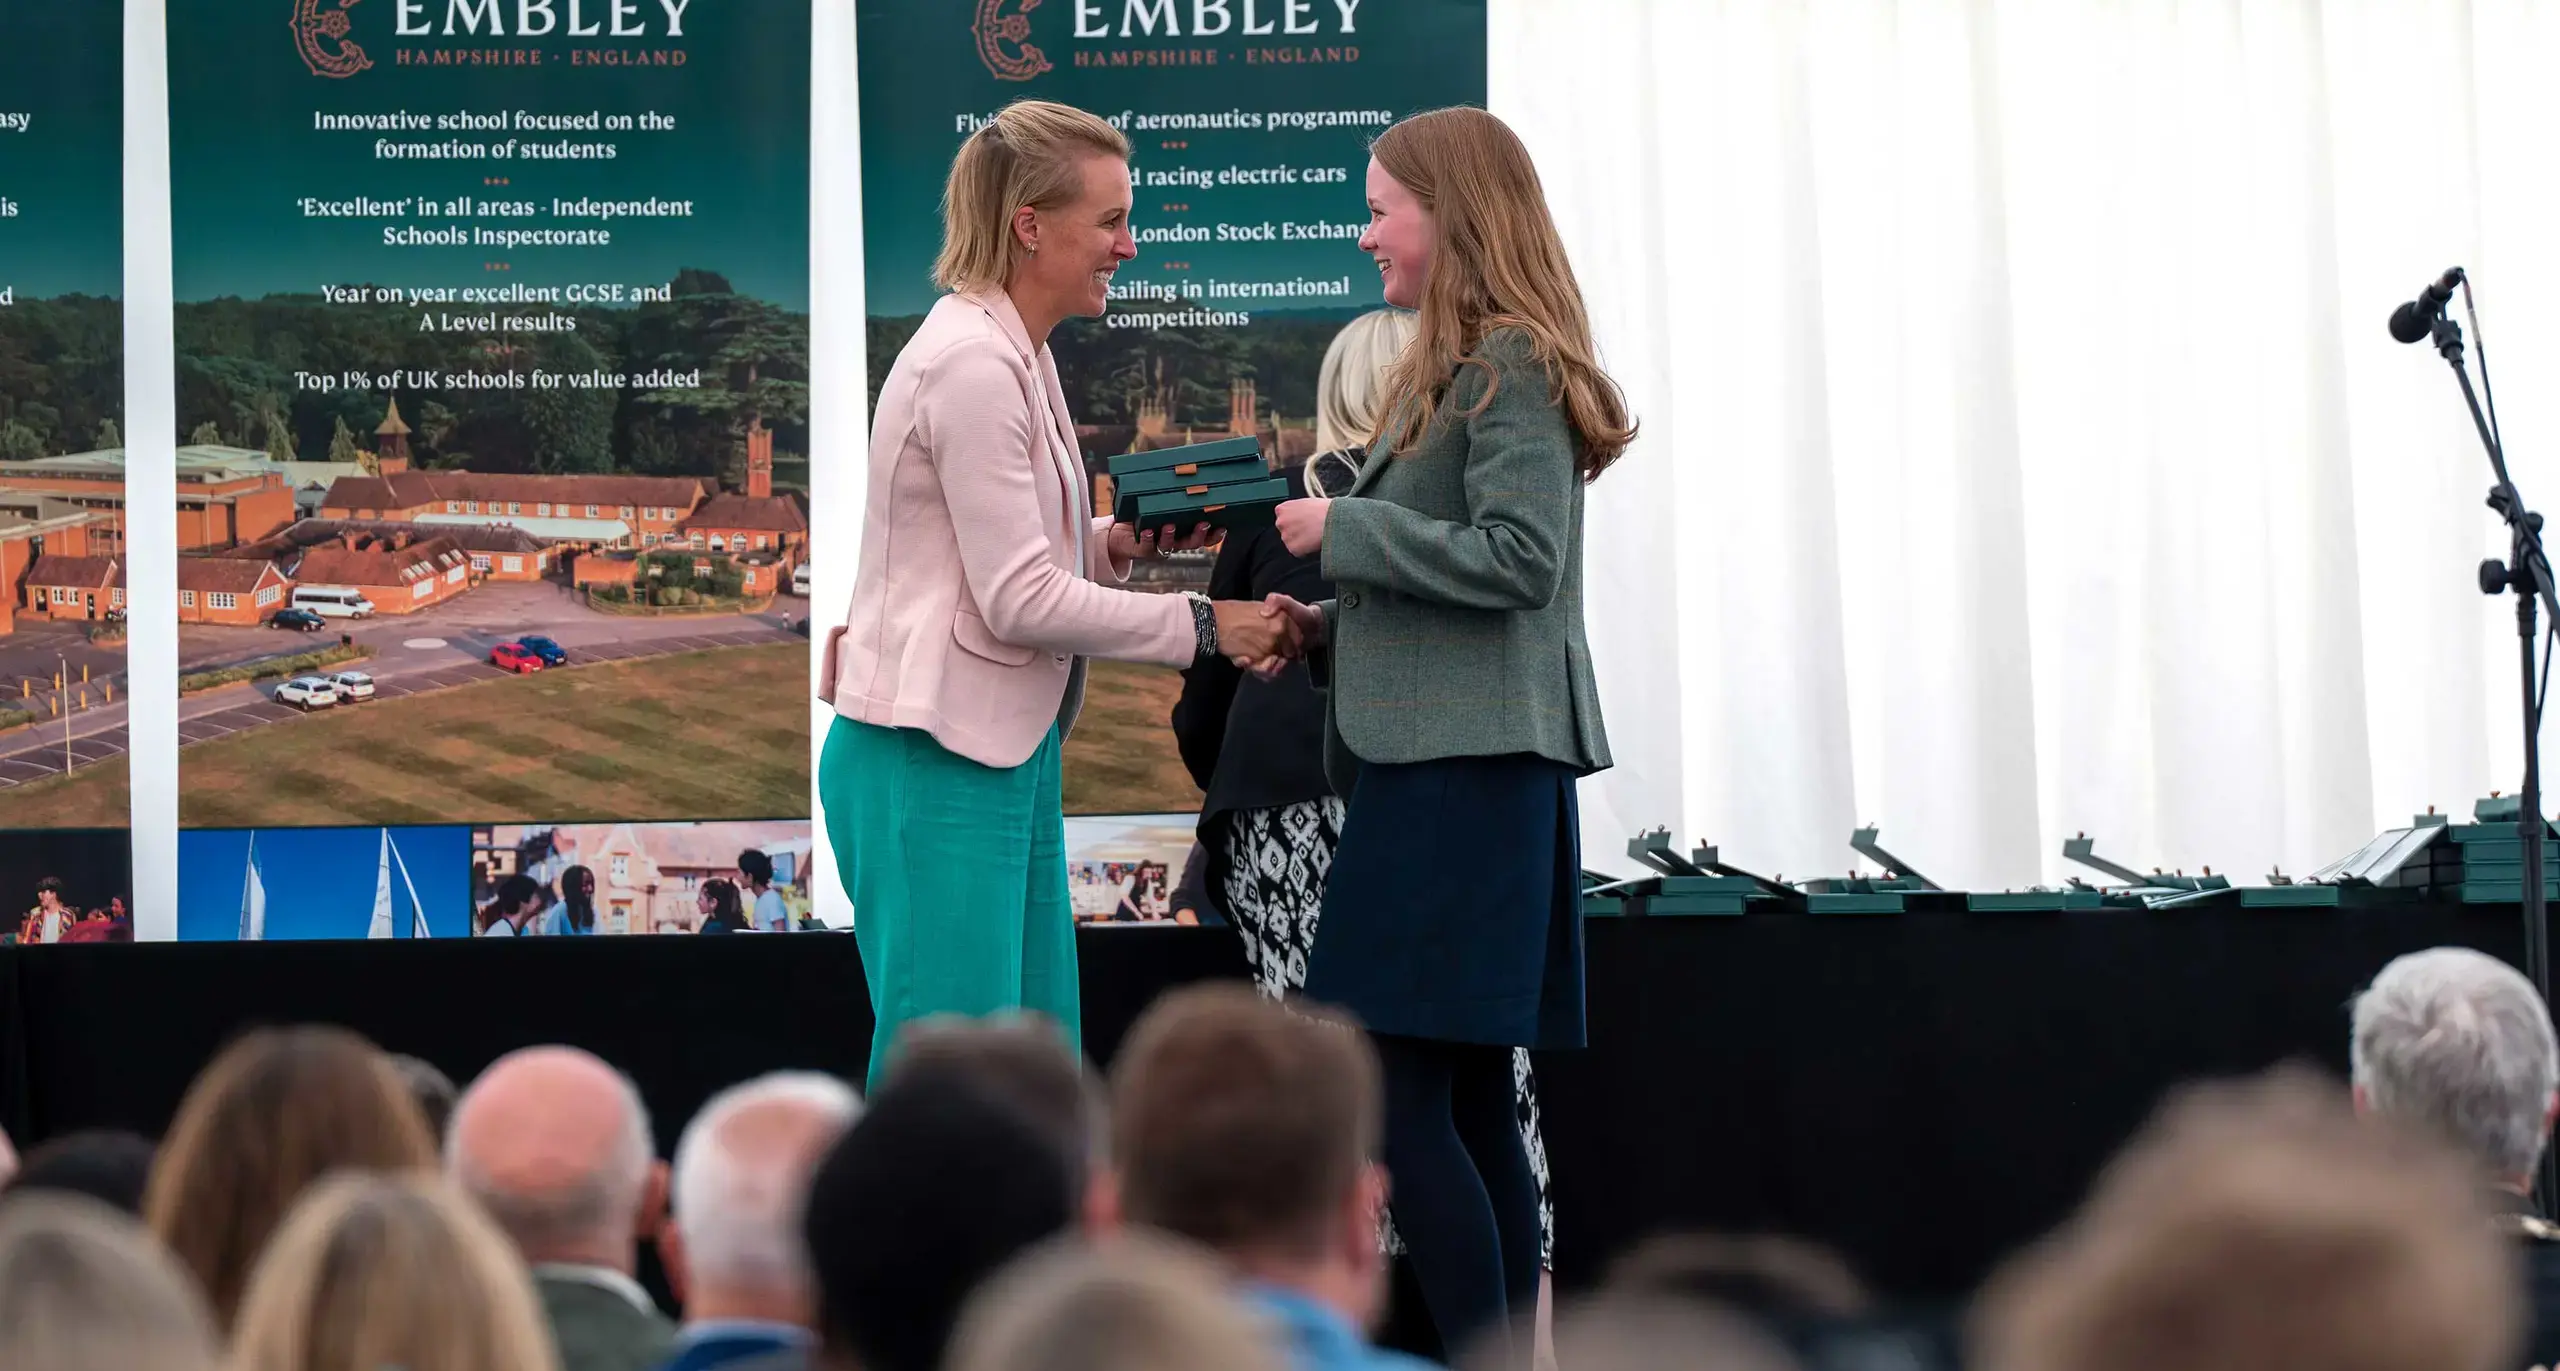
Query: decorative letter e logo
{"x": 995, "y": 31}
{"x": 320, "y": 34}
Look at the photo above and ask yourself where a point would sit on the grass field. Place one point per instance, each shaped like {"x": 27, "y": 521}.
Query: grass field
{"x": 1122, "y": 759}
{"x": 707, "y": 735}
{"x": 99, "y": 796}
{"x": 701, "y": 735}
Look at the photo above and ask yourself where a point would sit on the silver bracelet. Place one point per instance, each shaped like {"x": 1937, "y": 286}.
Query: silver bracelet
{"x": 1204, "y": 624}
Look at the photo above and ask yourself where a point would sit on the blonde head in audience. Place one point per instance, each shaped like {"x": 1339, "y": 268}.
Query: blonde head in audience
{"x": 373, "y": 1272}
{"x": 2258, "y": 1227}
{"x": 1137, "y": 1303}
{"x": 84, "y": 1288}
{"x": 275, "y": 1112}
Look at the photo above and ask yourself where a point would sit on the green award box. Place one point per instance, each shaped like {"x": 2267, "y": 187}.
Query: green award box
{"x": 1222, "y": 483}
{"x": 1228, "y": 506}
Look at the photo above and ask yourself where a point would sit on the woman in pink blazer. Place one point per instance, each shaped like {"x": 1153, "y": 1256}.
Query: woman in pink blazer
{"x": 985, "y": 582}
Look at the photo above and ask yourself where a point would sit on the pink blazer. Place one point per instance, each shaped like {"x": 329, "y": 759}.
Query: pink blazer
{"x": 975, "y": 597}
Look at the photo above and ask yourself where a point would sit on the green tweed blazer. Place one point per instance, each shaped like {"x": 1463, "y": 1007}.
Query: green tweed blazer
{"x": 1456, "y": 625}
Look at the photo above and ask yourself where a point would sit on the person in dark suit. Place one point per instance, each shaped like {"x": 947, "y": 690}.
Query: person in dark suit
{"x": 2460, "y": 1043}
{"x": 1461, "y": 707}
{"x": 939, "y": 1185}
{"x": 1270, "y": 819}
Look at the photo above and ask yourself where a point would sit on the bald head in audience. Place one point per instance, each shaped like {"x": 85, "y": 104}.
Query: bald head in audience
{"x": 555, "y": 1144}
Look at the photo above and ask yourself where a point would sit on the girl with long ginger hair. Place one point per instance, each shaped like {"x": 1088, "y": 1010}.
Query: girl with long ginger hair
{"x": 1461, "y": 706}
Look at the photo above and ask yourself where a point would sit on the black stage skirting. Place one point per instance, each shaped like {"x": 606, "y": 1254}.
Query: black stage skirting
{"x": 1924, "y": 1092}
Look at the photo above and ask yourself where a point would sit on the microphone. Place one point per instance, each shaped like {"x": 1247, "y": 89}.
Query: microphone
{"x": 2413, "y": 321}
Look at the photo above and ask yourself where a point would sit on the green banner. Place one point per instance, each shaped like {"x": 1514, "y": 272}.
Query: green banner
{"x": 492, "y": 409}
{"x": 1250, "y": 122}
{"x": 62, "y": 584}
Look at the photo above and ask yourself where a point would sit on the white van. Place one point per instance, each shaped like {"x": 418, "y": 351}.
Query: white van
{"x": 800, "y": 580}
{"x": 333, "y": 602}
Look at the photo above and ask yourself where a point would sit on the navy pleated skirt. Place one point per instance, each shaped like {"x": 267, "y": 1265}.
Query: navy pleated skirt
{"x": 1454, "y": 907}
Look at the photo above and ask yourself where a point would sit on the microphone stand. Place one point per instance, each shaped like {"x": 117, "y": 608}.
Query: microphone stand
{"x": 2527, "y": 573}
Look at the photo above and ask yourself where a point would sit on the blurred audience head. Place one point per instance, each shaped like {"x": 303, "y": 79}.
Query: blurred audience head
{"x": 1646, "y": 1331}
{"x": 431, "y": 1088}
{"x": 105, "y": 1165}
{"x": 276, "y": 1111}
{"x": 1760, "y": 1275}
{"x": 373, "y": 1272}
{"x": 84, "y": 1288}
{"x": 555, "y": 1144}
{"x": 741, "y": 1176}
{"x": 8, "y": 1158}
{"x": 938, "y": 1184}
{"x": 1023, "y": 1060}
{"x": 2456, "y": 1042}
{"x": 2258, "y": 1226}
{"x": 1353, "y": 376}
{"x": 1249, "y": 1128}
{"x": 1133, "y": 1304}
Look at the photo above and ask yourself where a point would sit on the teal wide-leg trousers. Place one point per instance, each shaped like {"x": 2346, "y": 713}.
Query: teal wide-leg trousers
{"x": 958, "y": 874}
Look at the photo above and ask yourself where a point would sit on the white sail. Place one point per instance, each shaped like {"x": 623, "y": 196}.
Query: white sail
{"x": 253, "y": 899}
{"x": 417, "y": 907}
{"x": 382, "y": 927}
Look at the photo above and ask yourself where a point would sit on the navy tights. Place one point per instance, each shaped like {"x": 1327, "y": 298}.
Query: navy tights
{"x": 1463, "y": 1195}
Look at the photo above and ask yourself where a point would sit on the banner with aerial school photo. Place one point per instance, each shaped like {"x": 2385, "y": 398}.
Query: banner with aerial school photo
{"x": 1250, "y": 122}
{"x": 62, "y": 524}
{"x": 492, "y": 410}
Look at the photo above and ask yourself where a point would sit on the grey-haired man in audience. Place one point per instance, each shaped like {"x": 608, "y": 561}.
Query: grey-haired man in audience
{"x": 2459, "y": 1043}
{"x": 734, "y": 1254}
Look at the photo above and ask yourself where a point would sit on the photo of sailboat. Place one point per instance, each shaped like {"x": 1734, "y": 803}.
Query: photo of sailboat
{"x": 255, "y": 885}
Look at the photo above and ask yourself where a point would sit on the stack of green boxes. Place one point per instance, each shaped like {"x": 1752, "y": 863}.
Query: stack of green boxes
{"x": 2483, "y": 861}
{"x": 1224, "y": 484}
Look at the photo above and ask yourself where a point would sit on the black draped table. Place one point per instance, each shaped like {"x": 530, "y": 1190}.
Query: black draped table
{"x": 1922, "y": 1091}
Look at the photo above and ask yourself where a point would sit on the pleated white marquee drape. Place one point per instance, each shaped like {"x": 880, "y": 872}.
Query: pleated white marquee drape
{"x": 2024, "y": 452}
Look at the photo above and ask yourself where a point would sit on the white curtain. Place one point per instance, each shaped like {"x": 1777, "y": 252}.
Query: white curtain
{"x": 2024, "y": 453}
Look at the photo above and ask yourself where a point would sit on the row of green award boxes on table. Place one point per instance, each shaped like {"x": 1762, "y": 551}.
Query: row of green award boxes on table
{"x": 2431, "y": 860}
{"x": 1224, "y": 484}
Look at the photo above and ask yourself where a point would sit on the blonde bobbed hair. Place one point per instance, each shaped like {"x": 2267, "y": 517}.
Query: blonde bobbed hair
{"x": 1353, "y": 378}
{"x": 375, "y": 1271}
{"x": 1032, "y": 153}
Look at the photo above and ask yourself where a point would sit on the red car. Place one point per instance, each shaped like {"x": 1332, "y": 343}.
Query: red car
{"x": 513, "y": 657}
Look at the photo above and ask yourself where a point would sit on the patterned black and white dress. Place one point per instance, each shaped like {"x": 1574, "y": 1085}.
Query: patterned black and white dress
{"x": 1276, "y": 863}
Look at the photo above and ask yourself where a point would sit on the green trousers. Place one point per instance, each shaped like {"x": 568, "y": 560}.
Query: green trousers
{"x": 958, "y": 874}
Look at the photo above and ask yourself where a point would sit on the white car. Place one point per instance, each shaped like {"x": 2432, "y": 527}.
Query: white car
{"x": 308, "y": 692}
{"x": 353, "y": 686}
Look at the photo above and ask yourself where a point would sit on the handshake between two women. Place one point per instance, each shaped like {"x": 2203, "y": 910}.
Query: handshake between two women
{"x": 1264, "y": 637}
